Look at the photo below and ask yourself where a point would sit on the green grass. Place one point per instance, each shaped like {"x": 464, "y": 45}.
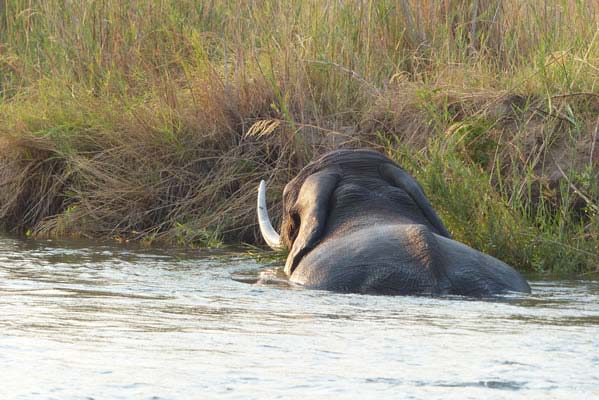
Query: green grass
{"x": 154, "y": 121}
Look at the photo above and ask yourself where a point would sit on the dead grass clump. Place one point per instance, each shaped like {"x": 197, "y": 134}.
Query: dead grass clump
{"x": 179, "y": 167}
{"x": 33, "y": 179}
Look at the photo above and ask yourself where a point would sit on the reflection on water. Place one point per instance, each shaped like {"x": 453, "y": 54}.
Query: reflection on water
{"x": 80, "y": 321}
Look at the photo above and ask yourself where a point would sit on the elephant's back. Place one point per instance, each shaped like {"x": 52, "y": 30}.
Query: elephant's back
{"x": 381, "y": 259}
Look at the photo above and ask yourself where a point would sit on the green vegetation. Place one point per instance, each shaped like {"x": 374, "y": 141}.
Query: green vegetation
{"x": 154, "y": 121}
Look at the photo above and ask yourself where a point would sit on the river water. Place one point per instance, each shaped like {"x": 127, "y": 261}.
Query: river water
{"x": 81, "y": 321}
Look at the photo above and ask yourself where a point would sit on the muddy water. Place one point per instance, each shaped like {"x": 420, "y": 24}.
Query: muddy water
{"x": 102, "y": 322}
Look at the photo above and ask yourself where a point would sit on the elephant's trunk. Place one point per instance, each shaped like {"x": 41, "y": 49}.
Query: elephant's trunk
{"x": 269, "y": 233}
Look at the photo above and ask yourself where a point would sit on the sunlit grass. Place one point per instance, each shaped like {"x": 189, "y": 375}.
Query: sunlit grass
{"x": 155, "y": 120}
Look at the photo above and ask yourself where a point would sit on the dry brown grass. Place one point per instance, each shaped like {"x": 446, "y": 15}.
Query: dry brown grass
{"x": 155, "y": 121}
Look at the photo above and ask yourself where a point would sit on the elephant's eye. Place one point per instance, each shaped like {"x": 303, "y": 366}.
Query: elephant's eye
{"x": 294, "y": 225}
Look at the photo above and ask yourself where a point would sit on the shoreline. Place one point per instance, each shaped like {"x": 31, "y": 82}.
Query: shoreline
{"x": 134, "y": 126}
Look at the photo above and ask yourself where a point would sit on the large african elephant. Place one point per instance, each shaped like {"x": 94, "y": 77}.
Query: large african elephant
{"x": 355, "y": 222}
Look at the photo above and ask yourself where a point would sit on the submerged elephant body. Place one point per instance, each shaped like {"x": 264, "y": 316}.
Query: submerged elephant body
{"x": 356, "y": 222}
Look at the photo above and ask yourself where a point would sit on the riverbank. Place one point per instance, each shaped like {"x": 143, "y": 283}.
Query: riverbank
{"x": 156, "y": 122}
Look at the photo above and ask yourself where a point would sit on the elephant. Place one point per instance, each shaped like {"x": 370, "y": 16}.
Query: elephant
{"x": 356, "y": 222}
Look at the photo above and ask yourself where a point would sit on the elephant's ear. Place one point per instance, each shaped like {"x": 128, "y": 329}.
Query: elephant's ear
{"x": 312, "y": 208}
{"x": 400, "y": 178}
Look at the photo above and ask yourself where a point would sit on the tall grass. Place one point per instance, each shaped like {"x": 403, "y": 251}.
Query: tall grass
{"x": 154, "y": 120}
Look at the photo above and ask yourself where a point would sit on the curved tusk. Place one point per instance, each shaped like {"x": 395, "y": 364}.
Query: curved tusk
{"x": 269, "y": 234}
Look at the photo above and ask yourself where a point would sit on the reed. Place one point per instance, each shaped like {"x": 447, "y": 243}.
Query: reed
{"x": 154, "y": 121}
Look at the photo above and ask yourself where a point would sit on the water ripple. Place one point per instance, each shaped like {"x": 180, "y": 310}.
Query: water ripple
{"x": 97, "y": 321}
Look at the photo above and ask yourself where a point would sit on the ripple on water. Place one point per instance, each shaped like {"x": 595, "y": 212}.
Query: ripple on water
{"x": 96, "y": 321}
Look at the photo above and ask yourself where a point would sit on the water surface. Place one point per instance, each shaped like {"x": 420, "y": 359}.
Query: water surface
{"x": 80, "y": 321}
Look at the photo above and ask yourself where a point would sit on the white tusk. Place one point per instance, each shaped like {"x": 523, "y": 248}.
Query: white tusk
{"x": 269, "y": 234}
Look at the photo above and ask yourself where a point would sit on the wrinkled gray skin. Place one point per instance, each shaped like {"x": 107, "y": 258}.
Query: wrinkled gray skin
{"x": 355, "y": 222}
